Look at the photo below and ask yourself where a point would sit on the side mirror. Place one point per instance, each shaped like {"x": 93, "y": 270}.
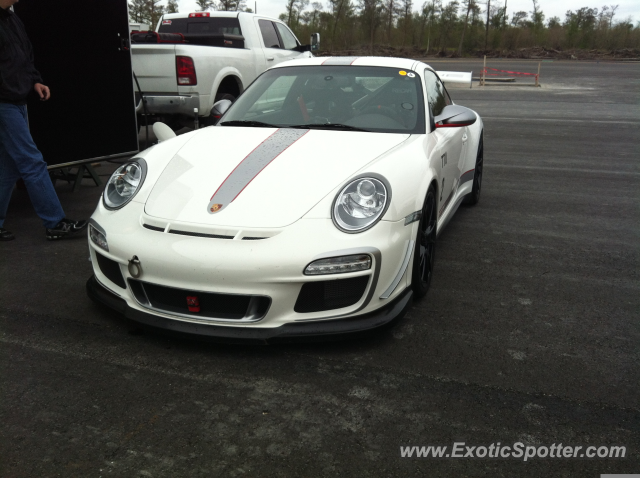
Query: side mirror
{"x": 315, "y": 41}
{"x": 162, "y": 132}
{"x": 220, "y": 108}
{"x": 454, "y": 116}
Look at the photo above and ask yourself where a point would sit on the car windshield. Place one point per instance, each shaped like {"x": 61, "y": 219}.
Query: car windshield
{"x": 349, "y": 98}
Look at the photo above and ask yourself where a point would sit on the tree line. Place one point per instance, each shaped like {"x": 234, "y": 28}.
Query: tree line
{"x": 150, "y": 11}
{"x": 459, "y": 27}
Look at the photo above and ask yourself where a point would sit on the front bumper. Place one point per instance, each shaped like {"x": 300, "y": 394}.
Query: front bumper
{"x": 335, "y": 329}
{"x": 158, "y": 104}
{"x": 229, "y": 264}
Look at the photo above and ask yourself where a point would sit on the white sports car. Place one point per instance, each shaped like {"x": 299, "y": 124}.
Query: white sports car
{"x": 311, "y": 209}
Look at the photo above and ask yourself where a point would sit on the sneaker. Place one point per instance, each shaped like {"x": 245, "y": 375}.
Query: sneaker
{"x": 65, "y": 228}
{"x": 6, "y": 235}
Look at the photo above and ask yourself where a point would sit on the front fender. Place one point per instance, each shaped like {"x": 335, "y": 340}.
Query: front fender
{"x": 410, "y": 171}
{"x": 475, "y": 134}
{"x": 409, "y": 168}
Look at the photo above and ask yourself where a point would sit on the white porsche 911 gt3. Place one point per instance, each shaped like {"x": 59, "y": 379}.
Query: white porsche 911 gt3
{"x": 311, "y": 209}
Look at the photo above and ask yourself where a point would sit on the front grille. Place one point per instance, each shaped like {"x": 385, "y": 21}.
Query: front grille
{"x": 233, "y": 307}
{"x": 199, "y": 234}
{"x": 219, "y": 233}
{"x": 111, "y": 270}
{"x": 330, "y": 294}
{"x": 154, "y": 228}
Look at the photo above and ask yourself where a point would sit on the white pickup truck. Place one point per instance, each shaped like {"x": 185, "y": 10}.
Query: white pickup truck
{"x": 196, "y": 59}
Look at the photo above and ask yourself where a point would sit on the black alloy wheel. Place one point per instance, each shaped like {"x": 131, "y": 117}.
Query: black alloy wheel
{"x": 425, "y": 249}
{"x": 474, "y": 196}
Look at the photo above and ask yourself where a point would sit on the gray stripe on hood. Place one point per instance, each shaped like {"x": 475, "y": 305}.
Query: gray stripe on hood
{"x": 343, "y": 60}
{"x": 252, "y": 165}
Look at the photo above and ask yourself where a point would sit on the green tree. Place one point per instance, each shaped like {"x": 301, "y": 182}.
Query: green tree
{"x": 469, "y": 4}
{"x": 138, "y": 11}
{"x": 390, "y": 12}
{"x": 146, "y": 11}
{"x": 537, "y": 20}
{"x": 338, "y": 11}
{"x": 172, "y": 6}
{"x": 232, "y": 5}
{"x": 294, "y": 10}
{"x": 406, "y": 21}
{"x": 518, "y": 18}
{"x": 205, "y": 5}
{"x": 448, "y": 21}
{"x": 371, "y": 18}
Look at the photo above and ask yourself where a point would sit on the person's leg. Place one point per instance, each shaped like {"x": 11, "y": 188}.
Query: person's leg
{"x": 8, "y": 177}
{"x": 19, "y": 147}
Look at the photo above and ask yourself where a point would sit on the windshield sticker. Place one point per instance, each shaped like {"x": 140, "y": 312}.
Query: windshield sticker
{"x": 166, "y": 22}
{"x": 402, "y": 73}
{"x": 411, "y": 75}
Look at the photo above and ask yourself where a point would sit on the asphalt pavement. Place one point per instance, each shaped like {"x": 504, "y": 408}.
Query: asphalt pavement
{"x": 530, "y": 332}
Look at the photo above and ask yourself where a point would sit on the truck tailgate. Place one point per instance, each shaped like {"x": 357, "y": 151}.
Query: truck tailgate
{"x": 155, "y": 67}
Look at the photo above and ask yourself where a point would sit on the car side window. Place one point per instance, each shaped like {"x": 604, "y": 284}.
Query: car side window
{"x": 437, "y": 96}
{"x": 287, "y": 37}
{"x": 269, "y": 34}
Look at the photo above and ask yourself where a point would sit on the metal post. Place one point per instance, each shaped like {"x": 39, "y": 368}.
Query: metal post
{"x": 538, "y": 75}
{"x": 484, "y": 70}
{"x": 196, "y": 120}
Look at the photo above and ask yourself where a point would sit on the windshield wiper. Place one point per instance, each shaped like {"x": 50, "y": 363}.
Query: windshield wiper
{"x": 336, "y": 126}
{"x": 258, "y": 124}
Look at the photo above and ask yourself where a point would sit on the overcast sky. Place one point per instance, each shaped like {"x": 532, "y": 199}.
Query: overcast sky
{"x": 273, "y": 8}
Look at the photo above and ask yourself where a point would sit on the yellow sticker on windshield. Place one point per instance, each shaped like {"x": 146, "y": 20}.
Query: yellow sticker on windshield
{"x": 403, "y": 73}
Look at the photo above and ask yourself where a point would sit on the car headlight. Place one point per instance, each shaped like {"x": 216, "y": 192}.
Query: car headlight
{"x": 124, "y": 183}
{"x": 361, "y": 203}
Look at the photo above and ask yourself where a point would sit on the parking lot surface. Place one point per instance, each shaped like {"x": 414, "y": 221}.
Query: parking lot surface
{"x": 530, "y": 332}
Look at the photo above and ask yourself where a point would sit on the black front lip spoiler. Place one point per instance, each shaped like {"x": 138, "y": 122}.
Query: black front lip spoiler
{"x": 335, "y": 329}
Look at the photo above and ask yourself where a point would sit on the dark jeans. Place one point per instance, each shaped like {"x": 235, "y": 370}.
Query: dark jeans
{"x": 20, "y": 158}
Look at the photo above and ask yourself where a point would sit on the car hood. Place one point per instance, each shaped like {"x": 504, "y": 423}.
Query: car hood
{"x": 259, "y": 177}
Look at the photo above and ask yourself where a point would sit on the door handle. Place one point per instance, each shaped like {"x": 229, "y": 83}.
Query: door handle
{"x": 270, "y": 59}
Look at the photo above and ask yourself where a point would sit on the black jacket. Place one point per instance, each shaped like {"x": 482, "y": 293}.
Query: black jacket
{"x": 17, "y": 72}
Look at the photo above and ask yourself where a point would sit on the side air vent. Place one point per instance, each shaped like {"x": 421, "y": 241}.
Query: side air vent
{"x": 330, "y": 294}
{"x": 111, "y": 270}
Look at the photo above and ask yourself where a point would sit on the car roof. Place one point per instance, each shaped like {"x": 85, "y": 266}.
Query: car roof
{"x": 383, "y": 61}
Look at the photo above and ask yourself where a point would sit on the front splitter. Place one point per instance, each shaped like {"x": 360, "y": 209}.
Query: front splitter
{"x": 334, "y": 329}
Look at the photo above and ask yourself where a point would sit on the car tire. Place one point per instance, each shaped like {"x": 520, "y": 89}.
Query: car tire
{"x": 474, "y": 196}
{"x": 425, "y": 247}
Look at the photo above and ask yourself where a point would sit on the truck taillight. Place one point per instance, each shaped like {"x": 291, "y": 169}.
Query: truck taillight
{"x": 186, "y": 71}
{"x": 199, "y": 15}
